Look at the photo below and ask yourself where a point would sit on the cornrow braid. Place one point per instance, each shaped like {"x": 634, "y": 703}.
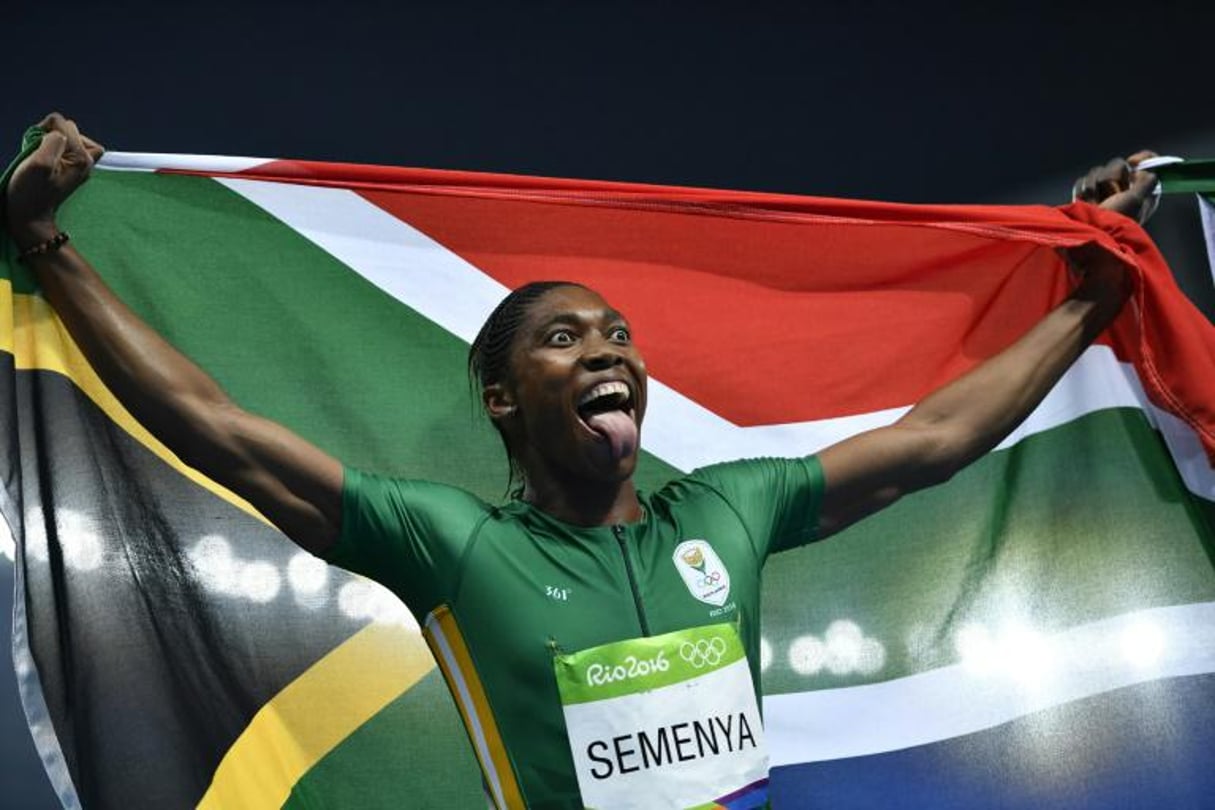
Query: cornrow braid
{"x": 489, "y": 354}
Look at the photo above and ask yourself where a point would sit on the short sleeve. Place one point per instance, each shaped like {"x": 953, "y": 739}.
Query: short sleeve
{"x": 777, "y": 499}
{"x": 407, "y": 535}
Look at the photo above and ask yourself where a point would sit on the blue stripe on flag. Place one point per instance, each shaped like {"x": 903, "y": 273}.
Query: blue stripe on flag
{"x": 1144, "y": 746}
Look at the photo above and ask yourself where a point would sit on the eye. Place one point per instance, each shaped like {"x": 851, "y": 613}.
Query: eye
{"x": 619, "y": 334}
{"x": 561, "y": 337}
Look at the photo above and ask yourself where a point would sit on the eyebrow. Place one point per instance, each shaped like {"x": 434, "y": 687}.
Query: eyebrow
{"x": 571, "y": 319}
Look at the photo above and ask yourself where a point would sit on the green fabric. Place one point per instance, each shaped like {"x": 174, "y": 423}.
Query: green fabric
{"x": 523, "y": 586}
{"x": 1191, "y": 176}
{"x": 413, "y": 753}
{"x": 29, "y": 142}
{"x": 1132, "y": 538}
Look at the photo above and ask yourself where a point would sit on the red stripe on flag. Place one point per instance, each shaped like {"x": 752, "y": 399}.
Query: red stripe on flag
{"x": 809, "y": 320}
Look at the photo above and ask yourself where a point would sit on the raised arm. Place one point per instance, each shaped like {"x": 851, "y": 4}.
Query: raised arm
{"x": 293, "y": 483}
{"x": 960, "y": 422}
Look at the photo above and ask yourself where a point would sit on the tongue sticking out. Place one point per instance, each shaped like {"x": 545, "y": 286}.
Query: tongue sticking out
{"x": 619, "y": 429}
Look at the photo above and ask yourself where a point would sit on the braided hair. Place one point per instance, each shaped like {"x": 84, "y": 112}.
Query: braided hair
{"x": 489, "y": 354}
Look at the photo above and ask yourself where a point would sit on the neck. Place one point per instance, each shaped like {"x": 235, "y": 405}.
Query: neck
{"x": 589, "y": 503}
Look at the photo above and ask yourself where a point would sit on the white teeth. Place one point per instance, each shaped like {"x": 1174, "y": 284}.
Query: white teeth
{"x": 604, "y": 389}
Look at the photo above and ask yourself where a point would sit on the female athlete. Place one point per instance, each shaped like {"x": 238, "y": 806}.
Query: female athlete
{"x": 602, "y": 643}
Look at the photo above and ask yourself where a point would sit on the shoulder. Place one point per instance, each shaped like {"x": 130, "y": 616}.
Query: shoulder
{"x": 754, "y": 473}
{"x": 362, "y": 484}
{"x": 364, "y": 480}
{"x": 407, "y": 534}
{"x": 776, "y": 499}
{"x": 387, "y": 503}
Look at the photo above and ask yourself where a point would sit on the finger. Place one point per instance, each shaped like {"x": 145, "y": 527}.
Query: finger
{"x": 53, "y": 122}
{"x": 1145, "y": 187}
{"x": 1118, "y": 170}
{"x": 1143, "y": 184}
{"x": 50, "y": 151}
{"x": 1114, "y": 176}
{"x": 92, "y": 146}
{"x": 1140, "y": 156}
{"x": 75, "y": 144}
{"x": 94, "y": 149}
{"x": 1084, "y": 189}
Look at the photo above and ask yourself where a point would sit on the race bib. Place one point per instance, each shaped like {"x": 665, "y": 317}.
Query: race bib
{"x": 666, "y": 721}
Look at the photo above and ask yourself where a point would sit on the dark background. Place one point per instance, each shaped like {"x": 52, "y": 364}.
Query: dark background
{"x": 910, "y": 102}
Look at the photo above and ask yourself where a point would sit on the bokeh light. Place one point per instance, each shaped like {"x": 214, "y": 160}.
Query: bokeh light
{"x": 259, "y": 581}
{"x": 1143, "y": 643}
{"x": 1015, "y": 651}
{"x": 1027, "y": 653}
{"x": 807, "y": 655}
{"x": 8, "y": 549}
{"x": 364, "y": 599}
{"x": 307, "y": 574}
{"x": 309, "y": 580}
{"x": 976, "y": 648}
{"x": 211, "y": 557}
{"x": 35, "y": 535}
{"x": 844, "y": 649}
{"x": 79, "y": 540}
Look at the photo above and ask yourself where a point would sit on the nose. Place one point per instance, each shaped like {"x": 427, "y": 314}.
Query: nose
{"x": 601, "y": 353}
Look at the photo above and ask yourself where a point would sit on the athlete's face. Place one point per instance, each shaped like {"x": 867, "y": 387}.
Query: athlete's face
{"x": 577, "y": 389}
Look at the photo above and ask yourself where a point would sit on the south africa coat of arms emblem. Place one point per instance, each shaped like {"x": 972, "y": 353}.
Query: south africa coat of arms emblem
{"x": 702, "y": 571}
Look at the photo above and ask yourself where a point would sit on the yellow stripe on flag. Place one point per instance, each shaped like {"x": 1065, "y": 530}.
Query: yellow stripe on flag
{"x": 38, "y": 341}
{"x": 314, "y": 713}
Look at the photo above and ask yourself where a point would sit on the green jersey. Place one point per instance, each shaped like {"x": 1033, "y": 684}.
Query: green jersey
{"x": 501, "y": 590}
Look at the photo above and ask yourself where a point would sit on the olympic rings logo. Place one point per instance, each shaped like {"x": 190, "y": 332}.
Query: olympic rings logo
{"x": 703, "y": 652}
{"x": 711, "y": 579}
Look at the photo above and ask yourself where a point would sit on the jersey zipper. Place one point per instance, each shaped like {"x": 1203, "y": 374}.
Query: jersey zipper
{"x": 618, "y": 530}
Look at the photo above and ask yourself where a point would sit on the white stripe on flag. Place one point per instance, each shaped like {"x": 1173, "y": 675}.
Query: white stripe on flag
{"x": 1002, "y": 682}
{"x": 1206, "y": 212}
{"x": 427, "y": 277}
{"x": 154, "y": 161}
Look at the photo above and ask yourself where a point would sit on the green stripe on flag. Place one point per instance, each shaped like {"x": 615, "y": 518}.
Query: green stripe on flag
{"x": 415, "y": 751}
{"x": 1190, "y": 176}
{"x": 1001, "y": 543}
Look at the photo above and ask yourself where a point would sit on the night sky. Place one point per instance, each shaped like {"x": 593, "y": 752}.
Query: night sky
{"x": 883, "y": 100}
{"x": 911, "y": 102}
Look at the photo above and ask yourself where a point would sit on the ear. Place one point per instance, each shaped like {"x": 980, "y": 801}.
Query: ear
{"x": 499, "y": 403}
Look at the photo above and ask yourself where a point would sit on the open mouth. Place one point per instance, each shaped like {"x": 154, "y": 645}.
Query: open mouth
{"x": 607, "y": 409}
{"x": 604, "y": 397}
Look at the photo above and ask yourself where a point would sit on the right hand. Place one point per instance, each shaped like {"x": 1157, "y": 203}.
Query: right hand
{"x": 1119, "y": 185}
{"x": 46, "y": 178}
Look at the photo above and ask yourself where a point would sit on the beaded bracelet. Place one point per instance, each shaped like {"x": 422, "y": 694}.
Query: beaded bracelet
{"x": 54, "y": 243}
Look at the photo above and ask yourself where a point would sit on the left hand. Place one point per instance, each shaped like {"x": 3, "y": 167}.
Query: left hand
{"x": 46, "y": 178}
{"x": 1119, "y": 186}
{"x": 1105, "y": 281}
